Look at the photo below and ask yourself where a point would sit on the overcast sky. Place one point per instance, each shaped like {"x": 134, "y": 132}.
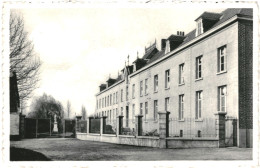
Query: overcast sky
{"x": 80, "y": 47}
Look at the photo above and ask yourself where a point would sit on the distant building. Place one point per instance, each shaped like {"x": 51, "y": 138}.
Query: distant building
{"x": 195, "y": 77}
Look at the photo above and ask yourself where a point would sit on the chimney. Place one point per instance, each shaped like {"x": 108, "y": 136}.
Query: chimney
{"x": 180, "y": 33}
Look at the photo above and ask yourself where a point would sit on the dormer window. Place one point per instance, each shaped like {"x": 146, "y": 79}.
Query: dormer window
{"x": 199, "y": 27}
{"x": 167, "y": 47}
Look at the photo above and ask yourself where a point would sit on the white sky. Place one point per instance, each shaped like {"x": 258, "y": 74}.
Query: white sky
{"x": 80, "y": 47}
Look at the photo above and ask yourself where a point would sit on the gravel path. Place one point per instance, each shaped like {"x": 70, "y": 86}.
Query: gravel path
{"x": 74, "y": 149}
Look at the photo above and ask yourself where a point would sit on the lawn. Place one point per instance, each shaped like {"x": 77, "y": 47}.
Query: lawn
{"x": 74, "y": 149}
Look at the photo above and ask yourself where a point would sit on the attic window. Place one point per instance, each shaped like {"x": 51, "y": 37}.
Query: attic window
{"x": 199, "y": 27}
{"x": 167, "y": 47}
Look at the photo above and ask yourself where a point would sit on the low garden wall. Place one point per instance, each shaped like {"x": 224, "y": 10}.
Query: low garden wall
{"x": 192, "y": 142}
{"x": 121, "y": 139}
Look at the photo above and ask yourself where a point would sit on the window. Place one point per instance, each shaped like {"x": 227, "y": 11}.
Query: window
{"x": 102, "y": 102}
{"x": 222, "y": 98}
{"x": 167, "y": 103}
{"x": 133, "y": 91}
{"x": 114, "y": 98}
{"x": 122, "y": 95}
{"x": 181, "y": 74}
{"x": 155, "y": 83}
{"x": 105, "y": 101}
{"x": 127, "y": 117}
{"x": 199, "y": 27}
{"x": 117, "y": 97}
{"x": 198, "y": 104}
{"x": 122, "y": 111}
{"x": 116, "y": 112}
{"x": 113, "y": 114}
{"x": 198, "y": 67}
{"x": 126, "y": 92}
{"x": 110, "y": 99}
{"x": 146, "y": 111}
{"x": 155, "y": 110}
{"x": 146, "y": 87}
{"x": 141, "y": 108}
{"x": 167, "y": 79}
{"x": 167, "y": 47}
{"x": 141, "y": 88}
{"x": 133, "y": 112}
{"x": 222, "y": 59}
{"x": 181, "y": 107}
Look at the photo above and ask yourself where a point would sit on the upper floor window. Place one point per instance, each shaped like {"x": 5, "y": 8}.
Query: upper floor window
{"x": 222, "y": 59}
{"x": 167, "y": 79}
{"x": 110, "y": 99}
{"x": 155, "y": 83}
{"x": 198, "y": 104}
{"x": 126, "y": 93}
{"x": 198, "y": 67}
{"x": 141, "y": 88}
{"x": 107, "y": 100}
{"x": 122, "y": 111}
{"x": 155, "y": 110}
{"x": 146, "y": 110}
{"x": 146, "y": 87}
{"x": 122, "y": 95}
{"x": 133, "y": 112}
{"x": 181, "y": 107}
{"x": 133, "y": 91}
{"x": 167, "y": 103}
{"x": 181, "y": 74}
{"x": 222, "y": 98}
{"x": 141, "y": 108}
{"x": 116, "y": 97}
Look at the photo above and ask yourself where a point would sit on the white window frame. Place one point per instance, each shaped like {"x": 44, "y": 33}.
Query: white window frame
{"x": 181, "y": 107}
{"x": 199, "y": 101}
{"x": 155, "y": 114}
{"x": 181, "y": 74}
{"x": 199, "y": 27}
{"x": 133, "y": 112}
{"x": 199, "y": 67}
{"x": 141, "y": 109}
{"x": 133, "y": 91}
{"x": 156, "y": 79}
{"x": 167, "y": 103}
{"x": 167, "y": 79}
{"x": 220, "y": 97}
{"x": 145, "y": 110}
{"x": 224, "y": 56}
{"x": 141, "y": 88}
{"x": 146, "y": 86}
{"x": 122, "y": 95}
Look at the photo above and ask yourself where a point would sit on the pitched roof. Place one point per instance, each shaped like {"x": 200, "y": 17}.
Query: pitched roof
{"x": 209, "y": 15}
{"x": 225, "y": 15}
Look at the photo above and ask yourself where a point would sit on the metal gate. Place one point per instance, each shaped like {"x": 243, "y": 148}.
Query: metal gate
{"x": 231, "y": 132}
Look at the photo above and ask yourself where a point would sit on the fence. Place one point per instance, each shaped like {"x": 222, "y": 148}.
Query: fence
{"x": 164, "y": 132}
{"x": 43, "y": 128}
{"x": 191, "y": 128}
{"x": 94, "y": 125}
{"x": 82, "y": 126}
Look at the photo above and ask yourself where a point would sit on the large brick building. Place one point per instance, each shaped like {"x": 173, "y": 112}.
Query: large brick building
{"x": 195, "y": 76}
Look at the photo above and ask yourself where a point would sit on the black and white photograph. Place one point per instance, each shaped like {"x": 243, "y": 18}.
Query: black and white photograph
{"x": 162, "y": 83}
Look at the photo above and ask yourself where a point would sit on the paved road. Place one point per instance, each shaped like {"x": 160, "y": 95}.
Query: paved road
{"x": 74, "y": 149}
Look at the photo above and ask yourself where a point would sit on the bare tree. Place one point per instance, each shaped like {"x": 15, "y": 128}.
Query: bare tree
{"x": 23, "y": 60}
{"x": 68, "y": 108}
{"x": 83, "y": 112}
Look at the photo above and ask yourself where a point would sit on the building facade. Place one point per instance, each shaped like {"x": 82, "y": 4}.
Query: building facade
{"x": 195, "y": 77}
